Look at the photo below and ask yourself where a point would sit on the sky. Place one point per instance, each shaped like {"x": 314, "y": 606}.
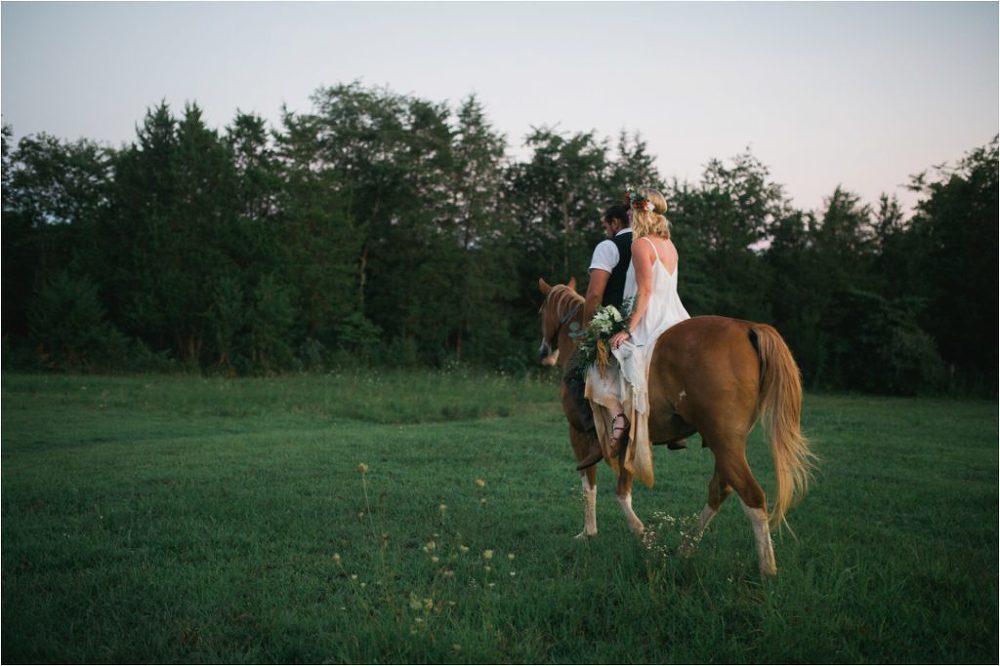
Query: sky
{"x": 861, "y": 95}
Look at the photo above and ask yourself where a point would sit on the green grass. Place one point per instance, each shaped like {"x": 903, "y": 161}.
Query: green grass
{"x": 179, "y": 519}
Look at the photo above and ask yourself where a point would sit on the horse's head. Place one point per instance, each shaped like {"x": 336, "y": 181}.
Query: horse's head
{"x": 554, "y": 316}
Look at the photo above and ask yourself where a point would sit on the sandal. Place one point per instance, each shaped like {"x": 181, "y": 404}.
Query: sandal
{"x": 619, "y": 433}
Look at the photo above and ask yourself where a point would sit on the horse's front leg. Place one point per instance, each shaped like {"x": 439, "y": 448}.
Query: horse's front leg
{"x": 588, "y": 479}
{"x": 582, "y": 443}
{"x": 624, "y": 493}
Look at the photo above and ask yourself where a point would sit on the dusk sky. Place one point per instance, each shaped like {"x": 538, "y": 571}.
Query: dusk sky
{"x": 858, "y": 94}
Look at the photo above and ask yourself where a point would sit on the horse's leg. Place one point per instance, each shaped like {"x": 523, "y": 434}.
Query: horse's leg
{"x": 624, "y": 493}
{"x": 583, "y": 443}
{"x": 588, "y": 479}
{"x": 755, "y": 507}
{"x": 718, "y": 491}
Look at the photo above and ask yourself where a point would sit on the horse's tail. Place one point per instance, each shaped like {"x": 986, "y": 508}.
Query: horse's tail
{"x": 780, "y": 407}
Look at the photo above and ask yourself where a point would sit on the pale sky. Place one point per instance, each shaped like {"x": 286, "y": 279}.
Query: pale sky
{"x": 857, "y": 94}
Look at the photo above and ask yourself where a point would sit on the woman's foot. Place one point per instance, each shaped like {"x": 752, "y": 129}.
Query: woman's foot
{"x": 619, "y": 434}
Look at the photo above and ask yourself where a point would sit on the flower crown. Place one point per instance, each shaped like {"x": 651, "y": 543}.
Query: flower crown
{"x": 637, "y": 199}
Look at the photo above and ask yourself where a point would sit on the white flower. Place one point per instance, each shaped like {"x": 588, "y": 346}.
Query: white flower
{"x": 648, "y": 205}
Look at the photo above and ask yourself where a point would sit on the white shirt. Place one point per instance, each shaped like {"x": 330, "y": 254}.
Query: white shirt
{"x": 606, "y": 255}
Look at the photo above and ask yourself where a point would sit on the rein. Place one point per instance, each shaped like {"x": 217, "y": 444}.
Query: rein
{"x": 573, "y": 311}
{"x": 571, "y": 314}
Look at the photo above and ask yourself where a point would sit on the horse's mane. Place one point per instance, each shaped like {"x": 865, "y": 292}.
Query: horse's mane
{"x": 563, "y": 298}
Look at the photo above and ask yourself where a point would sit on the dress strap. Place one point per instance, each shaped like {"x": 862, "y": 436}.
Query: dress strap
{"x": 646, "y": 238}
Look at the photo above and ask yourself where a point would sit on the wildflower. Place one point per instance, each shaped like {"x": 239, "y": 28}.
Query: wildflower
{"x": 430, "y": 545}
{"x": 363, "y": 468}
{"x": 428, "y": 604}
{"x": 492, "y": 585}
{"x": 510, "y": 556}
{"x": 464, "y": 549}
{"x": 481, "y": 483}
{"x": 483, "y": 501}
{"x": 435, "y": 559}
{"x": 354, "y": 576}
{"x": 488, "y": 554}
{"x": 513, "y": 573}
{"x": 448, "y": 573}
{"x": 488, "y": 568}
{"x": 442, "y": 508}
{"x": 456, "y": 647}
{"x": 336, "y": 558}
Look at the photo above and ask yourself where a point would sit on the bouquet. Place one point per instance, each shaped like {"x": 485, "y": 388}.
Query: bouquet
{"x": 592, "y": 341}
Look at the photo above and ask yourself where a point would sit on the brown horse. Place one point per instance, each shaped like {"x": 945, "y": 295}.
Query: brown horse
{"x": 711, "y": 375}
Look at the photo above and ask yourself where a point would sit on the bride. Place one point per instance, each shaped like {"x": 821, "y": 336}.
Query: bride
{"x": 620, "y": 397}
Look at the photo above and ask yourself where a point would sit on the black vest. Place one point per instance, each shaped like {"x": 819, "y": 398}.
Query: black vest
{"x": 614, "y": 292}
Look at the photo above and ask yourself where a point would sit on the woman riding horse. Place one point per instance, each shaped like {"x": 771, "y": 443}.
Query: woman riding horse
{"x": 619, "y": 394}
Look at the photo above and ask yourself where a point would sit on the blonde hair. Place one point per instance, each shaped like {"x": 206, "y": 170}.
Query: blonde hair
{"x": 651, "y": 222}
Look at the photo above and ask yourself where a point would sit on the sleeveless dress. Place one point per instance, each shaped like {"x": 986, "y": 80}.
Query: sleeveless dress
{"x": 628, "y": 383}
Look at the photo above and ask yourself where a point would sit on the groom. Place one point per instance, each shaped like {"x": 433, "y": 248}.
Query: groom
{"x": 608, "y": 267}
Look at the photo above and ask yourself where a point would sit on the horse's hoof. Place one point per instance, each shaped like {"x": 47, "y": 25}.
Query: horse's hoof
{"x": 585, "y": 535}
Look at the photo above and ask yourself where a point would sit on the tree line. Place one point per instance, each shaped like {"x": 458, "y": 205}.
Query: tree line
{"x": 385, "y": 229}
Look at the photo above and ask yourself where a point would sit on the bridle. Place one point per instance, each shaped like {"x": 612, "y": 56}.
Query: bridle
{"x": 566, "y": 318}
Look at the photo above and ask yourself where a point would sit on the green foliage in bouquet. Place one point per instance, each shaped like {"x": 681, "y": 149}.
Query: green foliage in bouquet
{"x": 592, "y": 341}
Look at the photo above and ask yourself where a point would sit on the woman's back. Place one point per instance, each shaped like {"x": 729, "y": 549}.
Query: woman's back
{"x": 665, "y": 308}
{"x": 664, "y": 252}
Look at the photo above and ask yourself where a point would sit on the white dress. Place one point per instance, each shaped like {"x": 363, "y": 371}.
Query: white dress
{"x": 629, "y": 385}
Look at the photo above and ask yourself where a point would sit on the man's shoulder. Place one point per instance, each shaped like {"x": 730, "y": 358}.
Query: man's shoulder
{"x": 623, "y": 240}
{"x": 606, "y": 256}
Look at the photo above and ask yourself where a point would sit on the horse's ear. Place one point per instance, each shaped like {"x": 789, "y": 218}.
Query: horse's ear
{"x": 572, "y": 284}
{"x": 544, "y": 287}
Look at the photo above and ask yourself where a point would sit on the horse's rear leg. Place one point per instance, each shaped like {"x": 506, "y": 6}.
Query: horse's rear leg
{"x": 718, "y": 491}
{"x": 624, "y": 494}
{"x": 755, "y": 507}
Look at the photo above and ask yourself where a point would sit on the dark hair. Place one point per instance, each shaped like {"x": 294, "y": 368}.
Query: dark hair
{"x": 616, "y": 212}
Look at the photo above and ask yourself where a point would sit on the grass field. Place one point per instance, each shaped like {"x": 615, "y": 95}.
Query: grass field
{"x": 181, "y": 519}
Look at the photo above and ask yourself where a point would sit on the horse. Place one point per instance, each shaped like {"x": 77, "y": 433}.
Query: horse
{"x": 714, "y": 376}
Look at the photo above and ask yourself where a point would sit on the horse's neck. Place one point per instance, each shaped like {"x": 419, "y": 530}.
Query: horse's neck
{"x": 567, "y": 345}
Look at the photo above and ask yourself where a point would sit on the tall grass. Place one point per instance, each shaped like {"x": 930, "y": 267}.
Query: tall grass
{"x": 422, "y": 517}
